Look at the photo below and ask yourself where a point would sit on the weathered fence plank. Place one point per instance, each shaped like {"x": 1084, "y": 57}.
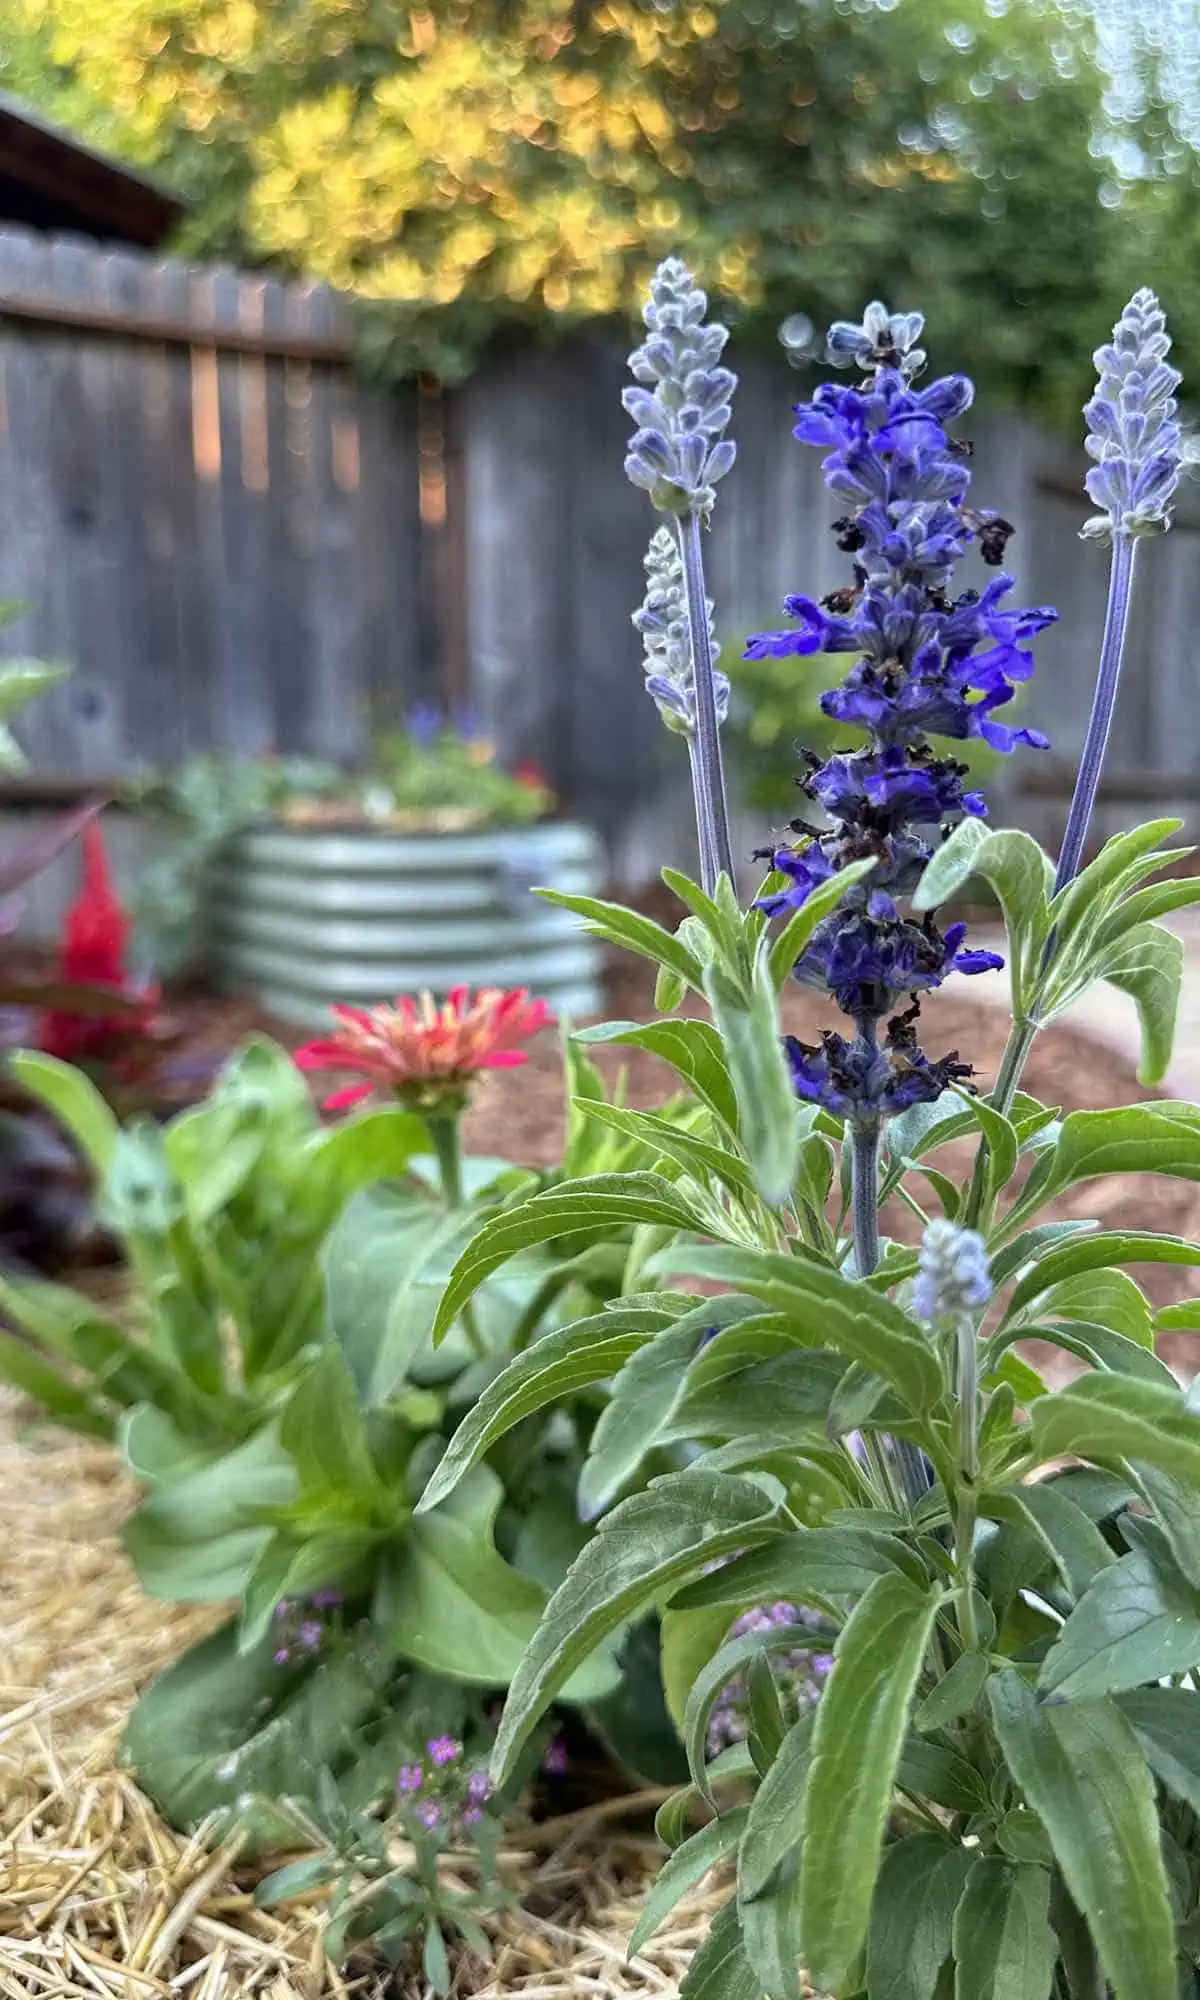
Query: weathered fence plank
{"x": 218, "y": 526}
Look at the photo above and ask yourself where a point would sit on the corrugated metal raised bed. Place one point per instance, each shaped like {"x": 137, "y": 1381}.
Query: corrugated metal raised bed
{"x": 303, "y": 917}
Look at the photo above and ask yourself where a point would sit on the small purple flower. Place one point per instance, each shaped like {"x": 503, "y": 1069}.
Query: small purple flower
{"x": 556, "y": 1761}
{"x": 410, "y": 1778}
{"x": 325, "y": 1600}
{"x": 429, "y": 1813}
{"x": 282, "y": 1655}
{"x": 479, "y": 1787}
{"x": 855, "y": 1080}
{"x": 309, "y": 1634}
{"x": 443, "y": 1750}
{"x": 471, "y": 1816}
{"x": 283, "y": 1607}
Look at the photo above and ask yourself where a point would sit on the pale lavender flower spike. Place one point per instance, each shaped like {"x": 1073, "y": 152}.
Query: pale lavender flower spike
{"x": 1133, "y": 429}
{"x": 953, "y": 1278}
{"x": 681, "y": 402}
{"x": 662, "y": 622}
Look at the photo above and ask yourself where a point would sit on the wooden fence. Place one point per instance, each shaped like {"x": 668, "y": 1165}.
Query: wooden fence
{"x": 240, "y": 548}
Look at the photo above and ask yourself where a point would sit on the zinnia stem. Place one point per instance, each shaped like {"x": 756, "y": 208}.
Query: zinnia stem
{"x": 447, "y": 1143}
{"x": 716, "y": 854}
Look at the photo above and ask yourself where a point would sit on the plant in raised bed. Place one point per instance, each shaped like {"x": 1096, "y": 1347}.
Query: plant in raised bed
{"x": 996, "y": 1791}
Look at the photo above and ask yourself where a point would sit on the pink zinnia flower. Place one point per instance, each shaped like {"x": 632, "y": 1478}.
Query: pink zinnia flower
{"x": 423, "y": 1051}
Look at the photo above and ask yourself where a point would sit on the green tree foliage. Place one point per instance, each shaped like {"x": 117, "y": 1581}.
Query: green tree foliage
{"x": 472, "y": 164}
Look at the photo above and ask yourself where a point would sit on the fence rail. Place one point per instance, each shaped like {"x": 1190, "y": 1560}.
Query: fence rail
{"x": 239, "y": 547}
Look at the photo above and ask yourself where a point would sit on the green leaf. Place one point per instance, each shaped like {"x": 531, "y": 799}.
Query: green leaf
{"x": 21, "y": 1365}
{"x": 324, "y": 1434}
{"x": 74, "y": 1099}
{"x": 1002, "y": 1142}
{"x": 790, "y": 942}
{"x": 688, "y": 1640}
{"x": 1111, "y": 1416}
{"x": 1176, "y": 1507}
{"x": 641, "y": 1553}
{"x": 768, "y": 1115}
{"x": 644, "y": 1397}
{"x": 589, "y": 1207}
{"x": 787, "y": 1397}
{"x": 124, "y": 1371}
{"x": 1079, "y": 1549}
{"x": 805, "y": 1566}
{"x": 378, "y": 1315}
{"x": 219, "y": 1725}
{"x": 771, "y": 1933}
{"x": 1014, "y": 865}
{"x": 1129, "y": 1139}
{"x": 1092, "y": 1253}
{"x": 912, "y": 1917}
{"x": 1124, "y": 855}
{"x": 1165, "y": 1721}
{"x": 1106, "y": 1298}
{"x": 628, "y": 928}
{"x": 720, "y": 1969}
{"x": 1133, "y": 1624}
{"x": 1082, "y": 1771}
{"x": 830, "y": 1310}
{"x": 198, "y": 1536}
{"x": 561, "y": 1362}
{"x": 952, "y": 865}
{"x": 693, "y": 1049}
{"x": 1148, "y": 965}
{"x": 296, "y": 1879}
{"x": 955, "y": 1694}
{"x": 688, "y": 1865}
{"x": 1004, "y": 1946}
{"x": 776, "y": 1822}
{"x": 449, "y": 1601}
{"x": 1032, "y": 1244}
{"x": 695, "y": 1155}
{"x": 862, "y": 1721}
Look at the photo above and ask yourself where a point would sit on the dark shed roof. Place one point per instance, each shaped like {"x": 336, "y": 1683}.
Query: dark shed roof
{"x": 48, "y": 180}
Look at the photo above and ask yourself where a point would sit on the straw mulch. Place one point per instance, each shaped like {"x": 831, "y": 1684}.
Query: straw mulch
{"x": 99, "y": 1897}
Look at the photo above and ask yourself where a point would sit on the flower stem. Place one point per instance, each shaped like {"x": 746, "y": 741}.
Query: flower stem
{"x": 865, "y": 1197}
{"x": 1083, "y": 801}
{"x": 966, "y": 1496}
{"x": 883, "y": 1453}
{"x": 716, "y": 853}
{"x": 1104, "y": 701}
{"x": 708, "y": 868}
{"x": 447, "y": 1144}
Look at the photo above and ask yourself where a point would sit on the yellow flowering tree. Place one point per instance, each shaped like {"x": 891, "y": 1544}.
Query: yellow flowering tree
{"x": 471, "y": 163}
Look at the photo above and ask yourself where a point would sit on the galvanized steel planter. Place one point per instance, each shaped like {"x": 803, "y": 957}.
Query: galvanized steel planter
{"x": 306, "y": 916}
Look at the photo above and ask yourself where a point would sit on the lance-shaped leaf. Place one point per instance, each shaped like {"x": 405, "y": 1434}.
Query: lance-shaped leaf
{"x": 573, "y": 1209}
{"x": 1004, "y": 1946}
{"x": 1082, "y": 1771}
{"x": 862, "y": 1721}
{"x": 640, "y": 1554}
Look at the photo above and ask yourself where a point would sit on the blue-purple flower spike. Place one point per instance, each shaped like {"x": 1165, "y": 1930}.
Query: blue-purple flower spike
{"x": 928, "y": 664}
{"x": 681, "y": 404}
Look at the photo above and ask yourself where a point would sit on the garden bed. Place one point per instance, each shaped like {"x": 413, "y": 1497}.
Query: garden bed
{"x": 100, "y": 1896}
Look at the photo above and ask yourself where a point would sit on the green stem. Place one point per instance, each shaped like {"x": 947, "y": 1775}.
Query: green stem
{"x": 443, "y": 1128}
{"x": 977, "y": 1214}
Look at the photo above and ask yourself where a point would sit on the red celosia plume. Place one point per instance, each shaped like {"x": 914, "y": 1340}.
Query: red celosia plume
{"x": 94, "y": 939}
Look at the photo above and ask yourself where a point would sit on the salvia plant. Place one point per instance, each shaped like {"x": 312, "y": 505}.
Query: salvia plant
{"x": 930, "y": 1625}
